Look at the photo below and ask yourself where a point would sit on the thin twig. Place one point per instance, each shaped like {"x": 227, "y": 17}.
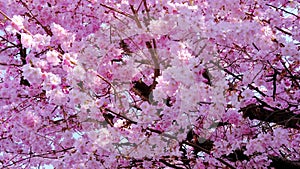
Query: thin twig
{"x": 6, "y": 64}
{"x": 283, "y": 10}
{"x": 118, "y": 11}
{"x": 283, "y": 31}
{"x": 119, "y": 115}
{"x": 237, "y": 77}
{"x": 136, "y": 19}
{"x": 5, "y": 15}
{"x": 2, "y": 13}
{"x": 113, "y": 87}
{"x": 291, "y": 74}
{"x": 208, "y": 152}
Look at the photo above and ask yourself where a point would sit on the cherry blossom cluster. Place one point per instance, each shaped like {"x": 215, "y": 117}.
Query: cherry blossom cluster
{"x": 149, "y": 84}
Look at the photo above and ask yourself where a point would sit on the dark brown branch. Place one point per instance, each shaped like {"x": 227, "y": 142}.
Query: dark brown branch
{"x": 42, "y": 155}
{"x": 22, "y": 50}
{"x": 153, "y": 53}
{"x": 147, "y": 10}
{"x": 121, "y": 116}
{"x": 255, "y": 46}
{"x": 208, "y": 152}
{"x": 154, "y": 56}
{"x": 169, "y": 164}
{"x": 207, "y": 76}
{"x": 281, "y": 163}
{"x": 281, "y": 117}
{"x": 140, "y": 88}
{"x": 7, "y": 64}
{"x": 238, "y": 155}
{"x": 138, "y": 23}
{"x": 237, "y": 77}
{"x": 118, "y": 11}
{"x": 30, "y": 14}
{"x": 283, "y": 31}
{"x": 283, "y": 10}
{"x": 8, "y": 41}
{"x": 291, "y": 74}
{"x": 198, "y": 147}
{"x": 274, "y": 79}
{"x": 6, "y": 48}
{"x": 109, "y": 118}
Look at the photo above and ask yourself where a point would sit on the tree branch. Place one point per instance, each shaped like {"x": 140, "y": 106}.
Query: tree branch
{"x": 281, "y": 117}
{"x": 283, "y": 10}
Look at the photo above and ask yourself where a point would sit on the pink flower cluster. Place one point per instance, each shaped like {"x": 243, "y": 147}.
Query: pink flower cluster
{"x": 149, "y": 84}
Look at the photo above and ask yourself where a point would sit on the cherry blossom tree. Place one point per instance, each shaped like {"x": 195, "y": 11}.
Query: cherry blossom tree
{"x": 150, "y": 84}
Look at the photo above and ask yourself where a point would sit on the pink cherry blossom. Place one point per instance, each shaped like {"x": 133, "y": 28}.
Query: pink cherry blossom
{"x": 149, "y": 84}
{"x": 32, "y": 74}
{"x": 18, "y": 21}
{"x": 27, "y": 40}
{"x": 52, "y": 57}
